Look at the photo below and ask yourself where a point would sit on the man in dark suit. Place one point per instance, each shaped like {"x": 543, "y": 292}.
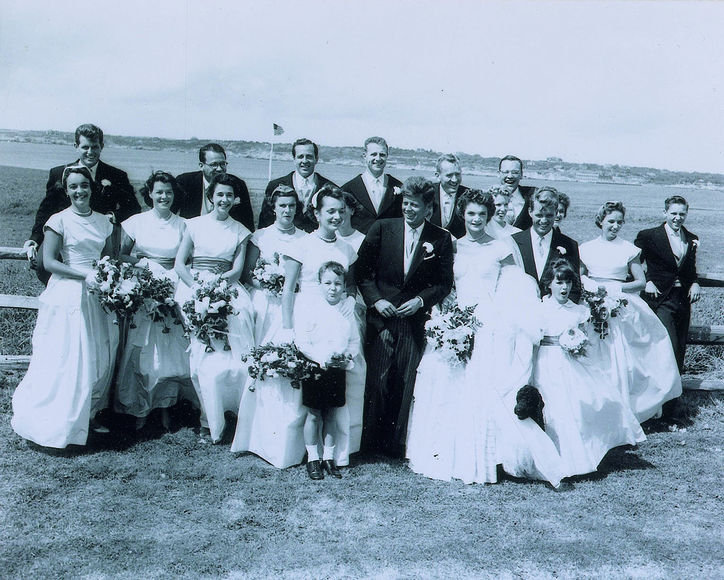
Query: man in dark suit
{"x": 448, "y": 173}
{"x": 540, "y": 244}
{"x": 669, "y": 252}
{"x": 212, "y": 161}
{"x": 115, "y": 196}
{"x": 304, "y": 180}
{"x": 510, "y": 170}
{"x": 376, "y": 191}
{"x": 405, "y": 267}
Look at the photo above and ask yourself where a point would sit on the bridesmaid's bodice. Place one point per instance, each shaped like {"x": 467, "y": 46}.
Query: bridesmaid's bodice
{"x": 83, "y": 236}
{"x": 608, "y": 260}
{"x": 214, "y": 238}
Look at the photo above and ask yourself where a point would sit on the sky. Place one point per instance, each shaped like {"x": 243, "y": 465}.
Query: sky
{"x": 627, "y": 82}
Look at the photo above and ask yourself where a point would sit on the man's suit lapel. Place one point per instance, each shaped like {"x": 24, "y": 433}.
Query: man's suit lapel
{"x": 525, "y": 245}
{"x": 417, "y": 255}
{"x": 664, "y": 247}
{"x": 364, "y": 195}
{"x": 388, "y": 198}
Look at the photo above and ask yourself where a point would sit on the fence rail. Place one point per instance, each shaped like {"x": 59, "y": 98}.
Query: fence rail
{"x": 709, "y": 335}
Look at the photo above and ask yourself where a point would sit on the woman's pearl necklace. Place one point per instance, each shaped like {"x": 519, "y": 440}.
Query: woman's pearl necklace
{"x": 329, "y": 241}
{"x": 290, "y": 230}
{"x": 472, "y": 239}
{"x": 90, "y": 211}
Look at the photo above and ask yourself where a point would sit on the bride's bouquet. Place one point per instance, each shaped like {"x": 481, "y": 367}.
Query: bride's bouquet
{"x": 602, "y": 307}
{"x": 270, "y": 275}
{"x": 208, "y": 311}
{"x": 573, "y": 342}
{"x": 158, "y": 298}
{"x": 117, "y": 287}
{"x": 279, "y": 360}
{"x": 451, "y": 331}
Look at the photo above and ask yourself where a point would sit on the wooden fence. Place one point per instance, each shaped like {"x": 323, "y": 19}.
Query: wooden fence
{"x": 704, "y": 335}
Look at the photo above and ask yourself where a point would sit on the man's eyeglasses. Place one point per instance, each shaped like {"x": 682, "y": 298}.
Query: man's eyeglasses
{"x": 217, "y": 164}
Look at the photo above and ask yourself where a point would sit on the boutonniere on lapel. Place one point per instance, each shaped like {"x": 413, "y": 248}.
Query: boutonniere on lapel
{"x": 105, "y": 183}
{"x": 695, "y": 244}
{"x": 561, "y": 250}
{"x": 428, "y": 250}
{"x": 396, "y": 190}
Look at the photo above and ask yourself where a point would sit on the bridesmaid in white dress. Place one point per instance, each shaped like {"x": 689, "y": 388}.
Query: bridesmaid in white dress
{"x": 216, "y": 244}
{"x": 271, "y": 417}
{"x": 74, "y": 341}
{"x": 154, "y": 369}
{"x": 638, "y": 347}
{"x": 498, "y": 226}
{"x": 305, "y": 259}
{"x": 584, "y": 412}
{"x": 462, "y": 423}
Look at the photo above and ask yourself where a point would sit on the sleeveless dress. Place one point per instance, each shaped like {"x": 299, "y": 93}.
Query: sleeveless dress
{"x": 280, "y": 440}
{"x": 74, "y": 344}
{"x": 462, "y": 424}
{"x": 271, "y": 418}
{"x": 584, "y": 412}
{"x": 154, "y": 369}
{"x": 638, "y": 347}
{"x": 219, "y": 376}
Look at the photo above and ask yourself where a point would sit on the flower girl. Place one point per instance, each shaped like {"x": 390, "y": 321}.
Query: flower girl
{"x": 331, "y": 339}
{"x": 584, "y": 413}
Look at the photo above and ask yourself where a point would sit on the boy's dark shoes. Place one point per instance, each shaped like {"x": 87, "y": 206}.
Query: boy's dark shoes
{"x": 314, "y": 469}
{"x": 331, "y": 468}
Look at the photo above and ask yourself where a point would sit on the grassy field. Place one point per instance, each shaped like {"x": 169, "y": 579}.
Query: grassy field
{"x": 168, "y": 505}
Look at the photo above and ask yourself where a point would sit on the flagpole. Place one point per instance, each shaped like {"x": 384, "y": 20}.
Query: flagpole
{"x": 271, "y": 154}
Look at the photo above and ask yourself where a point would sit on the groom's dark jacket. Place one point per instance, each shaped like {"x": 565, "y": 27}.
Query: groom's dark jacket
{"x": 116, "y": 196}
{"x": 379, "y": 269}
{"x": 561, "y": 247}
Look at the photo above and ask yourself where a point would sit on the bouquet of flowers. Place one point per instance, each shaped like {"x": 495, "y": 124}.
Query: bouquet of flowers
{"x": 270, "y": 275}
{"x": 117, "y": 287}
{"x": 451, "y": 330}
{"x": 209, "y": 310}
{"x": 158, "y": 298}
{"x": 573, "y": 341}
{"x": 602, "y": 307}
{"x": 283, "y": 360}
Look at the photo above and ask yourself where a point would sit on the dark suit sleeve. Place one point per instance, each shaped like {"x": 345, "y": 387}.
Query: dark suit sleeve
{"x": 243, "y": 212}
{"x": 54, "y": 201}
{"x": 442, "y": 286}
{"x": 127, "y": 203}
{"x": 641, "y": 242}
{"x": 364, "y": 267}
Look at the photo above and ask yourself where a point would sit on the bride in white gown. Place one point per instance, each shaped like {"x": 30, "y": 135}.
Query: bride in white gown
{"x": 462, "y": 424}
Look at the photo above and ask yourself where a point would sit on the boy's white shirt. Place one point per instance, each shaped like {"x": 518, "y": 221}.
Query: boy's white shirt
{"x": 321, "y": 330}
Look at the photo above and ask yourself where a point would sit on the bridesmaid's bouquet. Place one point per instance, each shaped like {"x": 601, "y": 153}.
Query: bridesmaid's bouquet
{"x": 208, "y": 311}
{"x": 117, "y": 287}
{"x": 282, "y": 360}
{"x": 573, "y": 342}
{"x": 451, "y": 331}
{"x": 602, "y": 307}
{"x": 270, "y": 275}
{"x": 158, "y": 298}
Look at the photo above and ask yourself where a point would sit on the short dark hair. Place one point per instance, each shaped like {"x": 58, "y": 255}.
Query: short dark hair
{"x": 546, "y": 196}
{"x": 282, "y": 190}
{"x": 223, "y": 179}
{"x": 335, "y": 267}
{"x": 304, "y": 141}
{"x": 608, "y": 208}
{"x": 161, "y": 177}
{"x": 560, "y": 269}
{"x": 215, "y": 147}
{"x": 479, "y": 197}
{"x": 82, "y": 170}
{"x": 327, "y": 190}
{"x": 565, "y": 201}
{"x": 675, "y": 199}
{"x": 351, "y": 201}
{"x": 377, "y": 140}
{"x": 89, "y": 131}
{"x": 418, "y": 186}
{"x": 510, "y": 158}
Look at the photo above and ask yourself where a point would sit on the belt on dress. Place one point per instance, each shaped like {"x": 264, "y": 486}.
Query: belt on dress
{"x": 167, "y": 263}
{"x": 550, "y": 341}
{"x": 212, "y": 264}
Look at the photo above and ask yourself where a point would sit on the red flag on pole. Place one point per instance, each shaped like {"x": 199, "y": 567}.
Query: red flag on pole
{"x": 278, "y": 129}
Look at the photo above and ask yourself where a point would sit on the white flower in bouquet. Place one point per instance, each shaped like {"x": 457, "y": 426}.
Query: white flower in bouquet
{"x": 128, "y": 286}
{"x": 573, "y": 341}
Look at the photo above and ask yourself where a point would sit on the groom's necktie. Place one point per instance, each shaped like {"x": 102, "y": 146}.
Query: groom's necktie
{"x": 411, "y": 243}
